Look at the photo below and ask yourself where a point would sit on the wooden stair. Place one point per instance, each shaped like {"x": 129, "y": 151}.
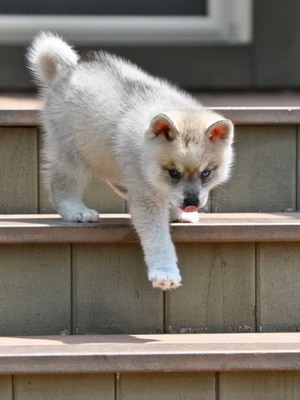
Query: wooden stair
{"x": 79, "y": 320}
{"x": 117, "y": 228}
{"x": 149, "y": 353}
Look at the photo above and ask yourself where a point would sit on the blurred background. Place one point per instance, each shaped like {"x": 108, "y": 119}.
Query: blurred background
{"x": 202, "y": 45}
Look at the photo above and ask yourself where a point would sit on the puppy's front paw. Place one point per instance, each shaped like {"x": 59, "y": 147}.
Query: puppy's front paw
{"x": 190, "y": 217}
{"x": 165, "y": 279}
{"x": 84, "y": 215}
{"x": 178, "y": 215}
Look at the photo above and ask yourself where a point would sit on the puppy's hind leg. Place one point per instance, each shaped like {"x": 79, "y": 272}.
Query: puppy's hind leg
{"x": 66, "y": 187}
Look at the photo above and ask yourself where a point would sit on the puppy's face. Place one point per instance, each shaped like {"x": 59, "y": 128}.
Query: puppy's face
{"x": 187, "y": 155}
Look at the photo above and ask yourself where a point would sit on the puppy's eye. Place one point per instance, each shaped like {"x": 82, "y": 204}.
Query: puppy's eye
{"x": 174, "y": 174}
{"x": 205, "y": 174}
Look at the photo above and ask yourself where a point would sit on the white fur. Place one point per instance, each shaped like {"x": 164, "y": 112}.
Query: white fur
{"x": 50, "y": 58}
{"x": 103, "y": 117}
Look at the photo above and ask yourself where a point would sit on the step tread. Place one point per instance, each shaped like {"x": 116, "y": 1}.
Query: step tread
{"x": 244, "y": 108}
{"x": 239, "y": 115}
{"x": 150, "y": 353}
{"x": 117, "y": 228}
{"x": 209, "y": 98}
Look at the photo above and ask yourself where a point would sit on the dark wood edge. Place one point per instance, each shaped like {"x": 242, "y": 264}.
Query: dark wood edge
{"x": 19, "y": 117}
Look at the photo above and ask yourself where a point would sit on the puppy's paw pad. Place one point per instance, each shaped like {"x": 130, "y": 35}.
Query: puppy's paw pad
{"x": 86, "y": 216}
{"x": 165, "y": 284}
{"x": 165, "y": 280}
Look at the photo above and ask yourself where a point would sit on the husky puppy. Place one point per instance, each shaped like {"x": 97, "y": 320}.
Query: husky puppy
{"x": 154, "y": 144}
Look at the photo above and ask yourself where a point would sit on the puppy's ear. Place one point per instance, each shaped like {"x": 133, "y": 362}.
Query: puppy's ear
{"x": 221, "y": 131}
{"x": 163, "y": 125}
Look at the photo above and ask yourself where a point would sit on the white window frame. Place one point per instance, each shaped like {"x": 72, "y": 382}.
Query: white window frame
{"x": 228, "y": 21}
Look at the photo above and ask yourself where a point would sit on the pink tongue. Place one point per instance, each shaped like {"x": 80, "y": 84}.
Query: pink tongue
{"x": 189, "y": 209}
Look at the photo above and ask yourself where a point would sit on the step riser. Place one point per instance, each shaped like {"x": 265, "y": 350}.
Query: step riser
{"x": 265, "y": 176}
{"x": 166, "y": 386}
{"x": 103, "y": 288}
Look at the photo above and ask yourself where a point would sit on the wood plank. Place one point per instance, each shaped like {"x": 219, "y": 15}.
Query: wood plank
{"x": 218, "y": 292}
{"x": 35, "y": 289}
{"x": 117, "y": 228}
{"x": 98, "y": 196}
{"x": 260, "y": 182}
{"x": 244, "y": 115}
{"x": 260, "y": 385}
{"x": 111, "y": 292}
{"x": 66, "y": 354}
{"x": 192, "y": 66}
{"x": 298, "y": 168}
{"x": 261, "y": 115}
{"x": 272, "y": 71}
{"x": 19, "y": 117}
{"x": 6, "y": 388}
{"x": 278, "y": 294}
{"x": 18, "y": 170}
{"x": 269, "y": 98}
{"x": 167, "y": 386}
{"x": 64, "y": 387}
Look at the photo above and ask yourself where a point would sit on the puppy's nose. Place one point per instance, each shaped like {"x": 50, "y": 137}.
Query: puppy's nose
{"x": 191, "y": 200}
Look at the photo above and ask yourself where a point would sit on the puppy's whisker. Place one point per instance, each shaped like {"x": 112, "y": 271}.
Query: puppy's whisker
{"x": 222, "y": 190}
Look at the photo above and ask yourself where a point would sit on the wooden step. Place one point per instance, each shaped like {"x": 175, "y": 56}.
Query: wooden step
{"x": 150, "y": 353}
{"x": 264, "y": 135}
{"x": 117, "y": 228}
{"x": 240, "y": 273}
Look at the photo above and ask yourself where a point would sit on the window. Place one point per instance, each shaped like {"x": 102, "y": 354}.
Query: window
{"x": 129, "y": 22}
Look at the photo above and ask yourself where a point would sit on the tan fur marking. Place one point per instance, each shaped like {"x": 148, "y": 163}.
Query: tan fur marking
{"x": 168, "y": 166}
{"x": 191, "y": 171}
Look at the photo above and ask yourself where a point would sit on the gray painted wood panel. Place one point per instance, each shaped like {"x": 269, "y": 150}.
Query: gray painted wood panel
{"x": 276, "y": 33}
{"x": 166, "y": 386}
{"x": 278, "y": 286}
{"x": 111, "y": 292}
{"x": 98, "y": 196}
{"x": 6, "y": 388}
{"x": 18, "y": 170}
{"x": 189, "y": 66}
{"x": 260, "y": 386}
{"x": 264, "y": 174}
{"x": 218, "y": 292}
{"x": 64, "y": 387}
{"x": 101, "y": 197}
{"x": 298, "y": 169}
{"x": 35, "y": 289}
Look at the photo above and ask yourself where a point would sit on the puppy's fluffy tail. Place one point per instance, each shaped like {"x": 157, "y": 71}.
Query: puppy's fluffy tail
{"x": 50, "y": 58}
